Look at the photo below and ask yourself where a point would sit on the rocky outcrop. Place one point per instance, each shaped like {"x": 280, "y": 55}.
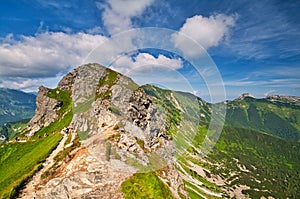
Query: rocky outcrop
{"x": 284, "y": 99}
{"x": 45, "y": 113}
{"x": 121, "y": 130}
{"x": 140, "y": 110}
{"x": 244, "y": 95}
{"x": 67, "y": 81}
{"x": 89, "y": 112}
{"x": 85, "y": 83}
{"x": 83, "y": 177}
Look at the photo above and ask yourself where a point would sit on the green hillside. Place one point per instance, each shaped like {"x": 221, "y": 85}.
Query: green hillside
{"x": 281, "y": 119}
{"x": 19, "y": 161}
{"x": 257, "y": 152}
{"x": 15, "y": 105}
{"x": 266, "y": 163}
{"x": 11, "y": 129}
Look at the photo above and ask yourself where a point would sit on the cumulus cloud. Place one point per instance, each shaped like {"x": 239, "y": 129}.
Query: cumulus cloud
{"x": 127, "y": 64}
{"x": 21, "y": 83}
{"x": 30, "y": 61}
{"x": 208, "y": 32}
{"x": 95, "y": 30}
{"x": 45, "y": 54}
{"x": 118, "y": 13}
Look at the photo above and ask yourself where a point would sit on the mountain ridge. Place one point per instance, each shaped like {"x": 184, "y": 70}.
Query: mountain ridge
{"x": 130, "y": 141}
{"x": 275, "y": 117}
{"x": 15, "y": 105}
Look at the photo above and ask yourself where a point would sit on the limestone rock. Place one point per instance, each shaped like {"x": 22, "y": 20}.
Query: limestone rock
{"x": 121, "y": 125}
{"x": 140, "y": 110}
{"x": 45, "y": 113}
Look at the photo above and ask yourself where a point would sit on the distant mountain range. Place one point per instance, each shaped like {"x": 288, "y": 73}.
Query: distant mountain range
{"x": 15, "y": 105}
{"x": 16, "y": 109}
{"x": 146, "y": 142}
{"x": 276, "y": 115}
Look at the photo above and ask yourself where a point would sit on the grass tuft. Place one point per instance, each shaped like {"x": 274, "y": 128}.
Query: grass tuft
{"x": 145, "y": 185}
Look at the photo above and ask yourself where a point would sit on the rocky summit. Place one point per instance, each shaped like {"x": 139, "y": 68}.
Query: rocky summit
{"x": 120, "y": 129}
{"x": 100, "y": 135}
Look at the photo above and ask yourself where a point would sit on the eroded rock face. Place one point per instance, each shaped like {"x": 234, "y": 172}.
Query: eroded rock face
{"x": 83, "y": 177}
{"x": 85, "y": 83}
{"x": 140, "y": 108}
{"x": 45, "y": 113}
{"x": 121, "y": 124}
{"x": 67, "y": 81}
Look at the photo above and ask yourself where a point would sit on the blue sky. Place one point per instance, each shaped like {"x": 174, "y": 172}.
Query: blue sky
{"x": 254, "y": 44}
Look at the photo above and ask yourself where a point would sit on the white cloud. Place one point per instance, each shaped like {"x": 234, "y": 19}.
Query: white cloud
{"x": 126, "y": 64}
{"x": 95, "y": 30}
{"x": 33, "y": 60}
{"x": 208, "y": 32}
{"x": 45, "y": 54}
{"x": 29, "y": 84}
{"x": 161, "y": 60}
{"x": 20, "y": 83}
{"x": 118, "y": 13}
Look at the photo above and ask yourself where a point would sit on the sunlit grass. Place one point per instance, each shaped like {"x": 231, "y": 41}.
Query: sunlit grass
{"x": 19, "y": 161}
{"x": 145, "y": 185}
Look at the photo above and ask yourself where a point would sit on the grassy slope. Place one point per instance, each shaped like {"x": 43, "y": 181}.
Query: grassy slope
{"x": 19, "y": 161}
{"x": 145, "y": 185}
{"x": 15, "y": 105}
{"x": 271, "y": 163}
{"x": 276, "y": 160}
{"x": 162, "y": 99}
{"x": 65, "y": 112}
{"x": 275, "y": 118}
{"x": 11, "y": 129}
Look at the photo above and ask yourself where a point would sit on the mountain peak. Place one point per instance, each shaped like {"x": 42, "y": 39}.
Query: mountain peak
{"x": 116, "y": 133}
{"x": 83, "y": 72}
{"x": 281, "y": 98}
{"x": 244, "y": 95}
{"x": 106, "y": 109}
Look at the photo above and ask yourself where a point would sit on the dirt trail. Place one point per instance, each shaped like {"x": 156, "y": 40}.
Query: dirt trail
{"x": 29, "y": 190}
{"x": 84, "y": 175}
